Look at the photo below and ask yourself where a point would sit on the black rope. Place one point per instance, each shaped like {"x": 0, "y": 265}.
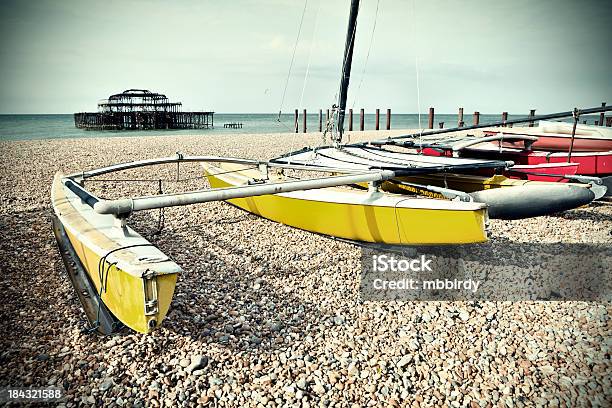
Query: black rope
{"x": 161, "y": 220}
{"x": 104, "y": 268}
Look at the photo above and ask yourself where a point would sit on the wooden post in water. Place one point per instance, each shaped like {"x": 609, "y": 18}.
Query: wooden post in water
{"x": 388, "y": 119}
{"x": 327, "y": 117}
{"x": 601, "y": 115}
{"x": 441, "y": 125}
{"x": 504, "y": 117}
{"x": 460, "y": 118}
{"x": 296, "y": 121}
{"x": 304, "y": 121}
{"x": 361, "y": 119}
{"x": 377, "y": 119}
{"x": 320, "y": 120}
{"x": 476, "y": 118}
{"x": 431, "y": 118}
{"x": 531, "y": 115}
{"x": 350, "y": 126}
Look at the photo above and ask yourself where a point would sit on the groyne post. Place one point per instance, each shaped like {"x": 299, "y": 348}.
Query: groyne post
{"x": 304, "y": 121}
{"x": 531, "y": 115}
{"x": 320, "y": 120}
{"x": 388, "y": 119}
{"x": 504, "y": 117}
{"x": 476, "y": 118}
{"x": 350, "y": 118}
{"x": 296, "y": 121}
{"x": 460, "y": 122}
{"x": 361, "y": 119}
{"x": 377, "y": 119}
{"x": 431, "y": 118}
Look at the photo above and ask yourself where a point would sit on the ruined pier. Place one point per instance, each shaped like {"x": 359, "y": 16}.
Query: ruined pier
{"x": 141, "y": 109}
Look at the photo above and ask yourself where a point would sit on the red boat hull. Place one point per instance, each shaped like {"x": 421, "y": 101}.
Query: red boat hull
{"x": 524, "y": 171}
{"x": 589, "y": 163}
{"x": 561, "y": 142}
{"x": 543, "y": 172}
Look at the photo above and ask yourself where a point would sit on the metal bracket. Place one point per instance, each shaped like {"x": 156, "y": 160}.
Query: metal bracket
{"x": 149, "y": 286}
{"x": 263, "y": 168}
{"x": 254, "y": 181}
{"x": 374, "y": 186}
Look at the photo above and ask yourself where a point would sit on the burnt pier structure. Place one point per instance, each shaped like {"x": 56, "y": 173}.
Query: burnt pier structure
{"x": 141, "y": 109}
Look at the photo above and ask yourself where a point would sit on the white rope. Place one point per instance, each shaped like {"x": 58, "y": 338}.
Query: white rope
{"x": 297, "y": 40}
{"x": 367, "y": 56}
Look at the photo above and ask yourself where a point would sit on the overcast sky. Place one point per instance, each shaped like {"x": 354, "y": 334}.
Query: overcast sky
{"x": 234, "y": 56}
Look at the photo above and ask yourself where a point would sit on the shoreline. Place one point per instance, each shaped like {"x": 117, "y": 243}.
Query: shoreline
{"x": 273, "y": 314}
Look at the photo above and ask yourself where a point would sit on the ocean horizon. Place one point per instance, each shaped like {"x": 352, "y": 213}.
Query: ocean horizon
{"x": 61, "y": 126}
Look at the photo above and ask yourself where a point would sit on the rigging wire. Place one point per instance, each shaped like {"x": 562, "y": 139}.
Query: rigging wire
{"x": 312, "y": 40}
{"x": 416, "y": 67}
{"x": 314, "y": 33}
{"x": 367, "y": 55}
{"x": 297, "y": 40}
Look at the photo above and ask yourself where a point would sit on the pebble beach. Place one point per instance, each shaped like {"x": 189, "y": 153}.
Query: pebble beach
{"x": 266, "y": 315}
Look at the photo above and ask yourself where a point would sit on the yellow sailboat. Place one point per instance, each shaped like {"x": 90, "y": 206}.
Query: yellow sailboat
{"x": 369, "y": 216}
{"x": 133, "y": 279}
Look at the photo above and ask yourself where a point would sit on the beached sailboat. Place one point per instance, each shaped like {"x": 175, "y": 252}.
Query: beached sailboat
{"x": 525, "y": 153}
{"x": 558, "y": 136}
{"x": 122, "y": 278}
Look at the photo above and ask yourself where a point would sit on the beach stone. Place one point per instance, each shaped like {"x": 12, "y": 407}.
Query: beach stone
{"x": 106, "y": 384}
{"x": 302, "y": 384}
{"x": 318, "y": 389}
{"x": 404, "y": 361}
{"x": 276, "y": 326}
{"x": 42, "y": 357}
{"x": 198, "y": 361}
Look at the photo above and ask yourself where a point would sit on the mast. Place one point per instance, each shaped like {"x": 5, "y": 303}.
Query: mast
{"x": 346, "y": 67}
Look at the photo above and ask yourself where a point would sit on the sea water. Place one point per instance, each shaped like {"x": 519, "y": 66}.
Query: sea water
{"x": 61, "y": 126}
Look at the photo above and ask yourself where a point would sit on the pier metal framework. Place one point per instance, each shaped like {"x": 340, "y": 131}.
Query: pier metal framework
{"x": 141, "y": 109}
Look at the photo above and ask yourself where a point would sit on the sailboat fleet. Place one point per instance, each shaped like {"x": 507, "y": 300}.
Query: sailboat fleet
{"x": 427, "y": 188}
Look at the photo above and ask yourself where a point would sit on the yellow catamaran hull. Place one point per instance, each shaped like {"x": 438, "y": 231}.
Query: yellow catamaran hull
{"x": 460, "y": 182}
{"x": 138, "y": 279}
{"x": 359, "y": 215}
